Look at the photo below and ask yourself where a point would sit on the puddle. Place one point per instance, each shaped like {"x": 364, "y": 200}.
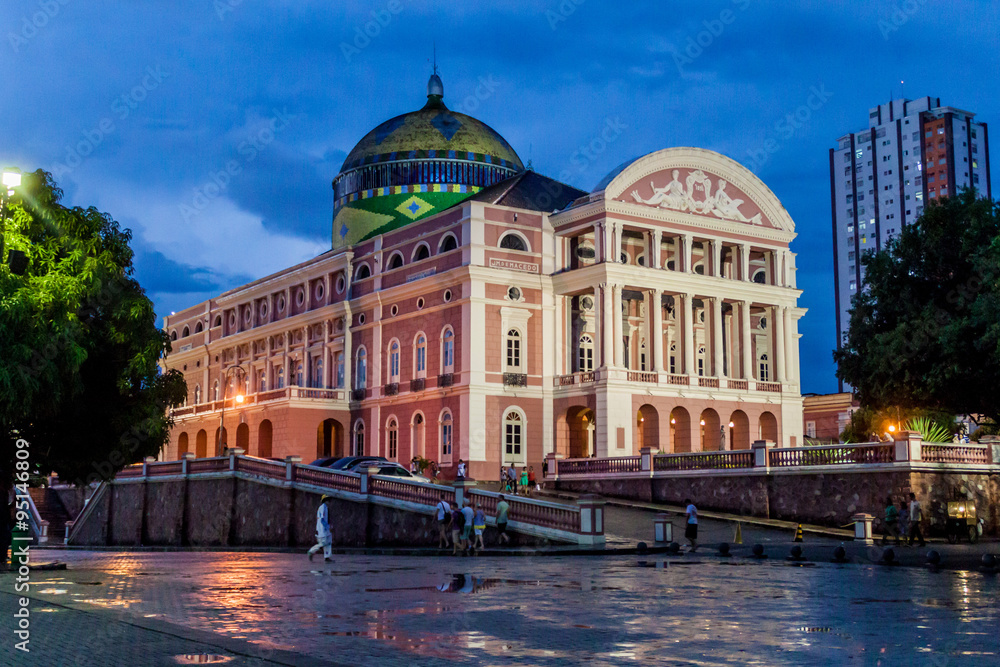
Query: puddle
{"x": 201, "y": 659}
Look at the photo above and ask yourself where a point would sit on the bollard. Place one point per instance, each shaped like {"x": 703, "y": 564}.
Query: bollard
{"x": 933, "y": 557}
{"x": 888, "y": 557}
{"x": 674, "y": 548}
{"x": 663, "y": 530}
{"x": 796, "y": 553}
{"x": 758, "y": 551}
{"x": 989, "y": 562}
{"x": 863, "y": 528}
{"x": 840, "y": 555}
{"x": 290, "y": 463}
{"x": 724, "y": 550}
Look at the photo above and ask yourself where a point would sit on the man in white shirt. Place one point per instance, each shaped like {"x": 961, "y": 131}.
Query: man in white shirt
{"x": 443, "y": 516}
{"x": 691, "y": 531}
{"x": 324, "y": 538}
{"x": 916, "y": 515}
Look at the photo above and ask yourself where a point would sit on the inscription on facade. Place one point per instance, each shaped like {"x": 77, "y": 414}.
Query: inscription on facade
{"x": 527, "y": 267}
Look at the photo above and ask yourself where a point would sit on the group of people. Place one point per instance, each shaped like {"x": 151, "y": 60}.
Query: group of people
{"x": 903, "y": 522}
{"x": 518, "y": 484}
{"x": 467, "y": 526}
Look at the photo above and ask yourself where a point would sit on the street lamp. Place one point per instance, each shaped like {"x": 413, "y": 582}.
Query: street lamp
{"x": 18, "y": 260}
{"x": 239, "y": 373}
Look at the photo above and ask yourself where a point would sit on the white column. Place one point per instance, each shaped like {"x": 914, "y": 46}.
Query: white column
{"x": 745, "y": 345}
{"x": 717, "y": 336}
{"x": 654, "y": 250}
{"x": 616, "y": 318}
{"x": 688, "y": 314}
{"x": 716, "y": 258}
{"x": 599, "y": 247}
{"x": 744, "y": 262}
{"x": 655, "y": 312}
{"x": 607, "y": 327}
{"x": 791, "y": 373}
{"x": 778, "y": 330}
{"x": 687, "y": 242}
{"x": 616, "y": 235}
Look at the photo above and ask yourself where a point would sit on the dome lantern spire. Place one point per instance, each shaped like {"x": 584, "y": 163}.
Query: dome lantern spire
{"x": 435, "y": 88}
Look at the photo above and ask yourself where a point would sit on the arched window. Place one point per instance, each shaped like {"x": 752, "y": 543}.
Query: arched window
{"x": 421, "y": 355}
{"x": 448, "y": 351}
{"x": 446, "y": 434}
{"x": 218, "y": 321}
{"x": 359, "y": 438}
{"x": 262, "y": 381}
{"x": 173, "y": 335}
{"x": 198, "y": 328}
{"x": 513, "y": 350}
{"x": 361, "y": 374}
{"x": 585, "y": 354}
{"x": 513, "y": 435}
{"x": 298, "y": 374}
{"x": 765, "y": 369}
{"x": 673, "y": 358}
{"x": 197, "y": 394}
{"x": 448, "y": 243}
{"x": 394, "y": 361}
{"x": 362, "y": 272}
{"x": 421, "y": 252}
{"x": 215, "y": 391}
{"x": 392, "y": 438}
{"x": 281, "y": 378}
{"x": 760, "y": 277}
{"x": 512, "y": 241}
{"x": 318, "y": 380}
{"x": 340, "y": 370}
{"x": 395, "y": 262}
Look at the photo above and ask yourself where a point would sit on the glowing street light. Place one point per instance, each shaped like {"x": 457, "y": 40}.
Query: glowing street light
{"x": 239, "y": 373}
{"x": 18, "y": 261}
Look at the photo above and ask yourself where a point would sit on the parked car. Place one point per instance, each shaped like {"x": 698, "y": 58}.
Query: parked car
{"x": 344, "y": 462}
{"x": 390, "y": 469}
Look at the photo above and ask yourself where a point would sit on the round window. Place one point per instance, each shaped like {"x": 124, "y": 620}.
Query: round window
{"x": 586, "y": 252}
{"x": 263, "y": 309}
{"x": 300, "y": 296}
{"x": 341, "y": 283}
{"x": 361, "y": 318}
{"x": 447, "y": 295}
{"x": 394, "y": 310}
{"x": 514, "y": 294}
{"x": 587, "y": 303}
{"x": 281, "y": 304}
{"x": 763, "y": 323}
{"x": 420, "y": 303}
{"x": 232, "y": 319}
{"x": 247, "y": 314}
{"x": 624, "y": 258}
{"x": 319, "y": 290}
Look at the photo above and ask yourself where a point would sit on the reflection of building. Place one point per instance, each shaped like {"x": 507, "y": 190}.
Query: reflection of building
{"x": 825, "y": 416}
{"x": 512, "y": 318}
{"x": 913, "y": 151}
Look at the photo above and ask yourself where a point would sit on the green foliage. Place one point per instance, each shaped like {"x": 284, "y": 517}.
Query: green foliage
{"x": 79, "y": 345}
{"x": 987, "y": 428}
{"x": 925, "y": 325}
{"x": 929, "y": 429}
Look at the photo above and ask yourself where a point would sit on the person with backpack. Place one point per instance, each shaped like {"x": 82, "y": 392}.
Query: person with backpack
{"x": 479, "y": 526}
{"x": 443, "y": 515}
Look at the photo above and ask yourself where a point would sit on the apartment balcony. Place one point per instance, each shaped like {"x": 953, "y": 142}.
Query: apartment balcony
{"x": 515, "y": 379}
{"x": 294, "y": 395}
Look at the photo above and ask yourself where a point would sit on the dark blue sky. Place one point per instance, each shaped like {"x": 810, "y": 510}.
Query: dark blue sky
{"x": 139, "y": 108}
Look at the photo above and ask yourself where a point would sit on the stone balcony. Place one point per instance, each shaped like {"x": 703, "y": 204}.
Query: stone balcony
{"x": 299, "y": 395}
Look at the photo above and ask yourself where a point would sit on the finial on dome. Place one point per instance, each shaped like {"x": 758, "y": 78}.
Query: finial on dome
{"x": 435, "y": 89}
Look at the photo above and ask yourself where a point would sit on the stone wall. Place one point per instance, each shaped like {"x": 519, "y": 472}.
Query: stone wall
{"x": 239, "y": 512}
{"x": 826, "y": 499}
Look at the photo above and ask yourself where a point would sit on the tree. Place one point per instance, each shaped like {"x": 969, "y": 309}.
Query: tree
{"x": 79, "y": 345}
{"x": 925, "y": 326}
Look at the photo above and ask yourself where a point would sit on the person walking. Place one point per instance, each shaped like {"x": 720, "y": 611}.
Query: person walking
{"x": 531, "y": 478}
{"x": 415, "y": 465}
{"x": 891, "y": 521}
{"x": 324, "y": 538}
{"x": 691, "y": 531}
{"x": 904, "y": 519}
{"x": 502, "y": 510}
{"x": 512, "y": 478}
{"x": 469, "y": 517}
{"x": 524, "y": 481}
{"x": 443, "y": 517}
{"x": 916, "y": 515}
{"x": 457, "y": 524}
{"x": 479, "y": 526}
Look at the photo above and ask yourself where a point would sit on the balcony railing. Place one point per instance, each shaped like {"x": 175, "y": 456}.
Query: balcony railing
{"x": 945, "y": 453}
{"x": 515, "y": 379}
{"x": 417, "y": 384}
{"x": 446, "y": 379}
{"x": 678, "y": 379}
{"x": 740, "y": 385}
{"x": 769, "y": 386}
{"x": 640, "y": 376}
{"x": 391, "y": 389}
{"x": 784, "y": 457}
{"x": 708, "y": 382}
{"x": 583, "y": 377}
{"x": 702, "y": 461}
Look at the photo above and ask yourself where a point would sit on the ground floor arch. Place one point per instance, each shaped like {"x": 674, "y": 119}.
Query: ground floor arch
{"x": 581, "y": 431}
{"x": 265, "y": 432}
{"x": 182, "y": 445}
{"x": 647, "y": 427}
{"x": 713, "y": 436}
{"x": 768, "y": 427}
{"x": 221, "y": 440}
{"x": 680, "y": 430}
{"x": 201, "y": 444}
{"x": 739, "y": 430}
{"x": 329, "y": 439}
{"x": 243, "y": 437}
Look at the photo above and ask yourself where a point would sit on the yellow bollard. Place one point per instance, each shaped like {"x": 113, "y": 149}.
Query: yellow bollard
{"x": 798, "y": 534}
{"x": 738, "y": 537}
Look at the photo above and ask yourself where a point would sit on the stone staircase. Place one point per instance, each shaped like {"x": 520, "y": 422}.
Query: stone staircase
{"x": 52, "y": 510}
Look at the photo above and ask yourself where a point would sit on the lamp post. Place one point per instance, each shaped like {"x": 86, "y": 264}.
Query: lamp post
{"x": 239, "y": 373}
{"x": 18, "y": 260}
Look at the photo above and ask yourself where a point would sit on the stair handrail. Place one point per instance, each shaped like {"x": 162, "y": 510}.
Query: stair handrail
{"x": 86, "y": 511}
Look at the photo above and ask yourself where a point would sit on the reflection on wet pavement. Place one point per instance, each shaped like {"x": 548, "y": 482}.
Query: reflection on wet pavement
{"x": 551, "y": 610}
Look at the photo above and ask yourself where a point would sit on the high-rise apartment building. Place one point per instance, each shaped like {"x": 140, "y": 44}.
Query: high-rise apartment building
{"x": 881, "y": 178}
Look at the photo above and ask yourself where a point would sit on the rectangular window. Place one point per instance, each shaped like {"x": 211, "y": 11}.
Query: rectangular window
{"x": 446, "y": 438}
{"x": 513, "y": 350}
{"x": 449, "y": 354}
{"x": 421, "y": 358}
{"x": 810, "y": 429}
{"x": 512, "y": 438}
{"x": 393, "y": 443}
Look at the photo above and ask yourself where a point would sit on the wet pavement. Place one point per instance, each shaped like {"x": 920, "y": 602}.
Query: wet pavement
{"x": 273, "y": 608}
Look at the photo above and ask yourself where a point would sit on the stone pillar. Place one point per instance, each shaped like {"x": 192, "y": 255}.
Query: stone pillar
{"x": 688, "y": 314}
{"x": 863, "y": 528}
{"x": 145, "y": 465}
{"x": 654, "y": 249}
{"x": 290, "y": 463}
{"x": 655, "y": 312}
{"x": 591, "y": 519}
{"x": 600, "y": 244}
{"x": 745, "y": 346}
{"x": 791, "y": 372}
{"x": 745, "y": 262}
{"x": 688, "y": 241}
{"x": 778, "y": 331}
{"x": 461, "y": 486}
{"x": 716, "y": 258}
{"x": 607, "y": 327}
{"x": 760, "y": 453}
{"x": 646, "y": 455}
{"x": 616, "y": 320}
{"x": 909, "y": 446}
{"x": 234, "y": 452}
{"x": 186, "y": 461}
{"x": 717, "y": 351}
{"x": 992, "y": 443}
{"x": 552, "y": 458}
